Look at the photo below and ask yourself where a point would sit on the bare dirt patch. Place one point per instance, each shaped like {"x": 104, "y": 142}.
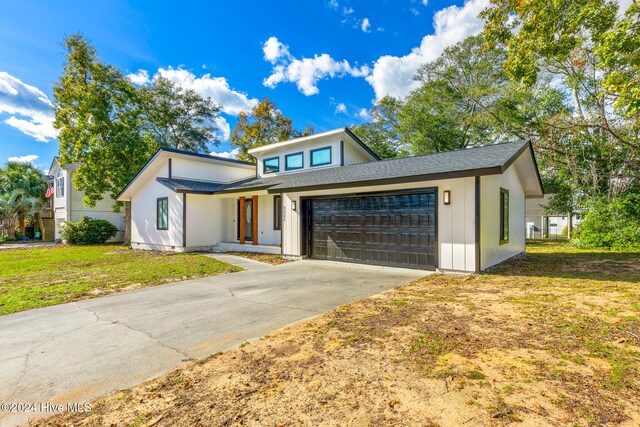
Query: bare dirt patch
{"x": 273, "y": 259}
{"x": 531, "y": 343}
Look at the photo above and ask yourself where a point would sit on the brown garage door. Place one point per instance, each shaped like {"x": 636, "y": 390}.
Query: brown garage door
{"x": 397, "y": 229}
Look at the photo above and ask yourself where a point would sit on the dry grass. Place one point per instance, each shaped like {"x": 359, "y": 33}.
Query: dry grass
{"x": 273, "y": 259}
{"x": 550, "y": 338}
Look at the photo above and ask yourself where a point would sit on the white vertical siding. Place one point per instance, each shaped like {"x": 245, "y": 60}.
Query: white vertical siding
{"x": 204, "y": 221}
{"x": 102, "y": 210}
{"x": 456, "y": 222}
{"x": 354, "y": 156}
{"x": 492, "y": 252}
{"x": 144, "y": 233}
{"x": 209, "y": 171}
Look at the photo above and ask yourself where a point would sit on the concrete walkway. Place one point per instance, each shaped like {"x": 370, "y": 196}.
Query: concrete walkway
{"x": 78, "y": 351}
{"x": 246, "y": 263}
{"x": 26, "y": 245}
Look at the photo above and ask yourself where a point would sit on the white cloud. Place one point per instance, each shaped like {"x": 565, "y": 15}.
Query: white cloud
{"x": 363, "y": 113}
{"x": 141, "y": 77}
{"x": 393, "y": 75}
{"x": 425, "y": 2}
{"x": 224, "y": 130}
{"x": 415, "y": 11}
{"x": 341, "y": 108}
{"x": 347, "y": 11}
{"x": 30, "y": 158}
{"x": 227, "y": 154}
{"x": 29, "y": 102}
{"x": 333, "y": 4}
{"x": 306, "y": 72}
{"x": 274, "y": 50}
{"x": 216, "y": 88}
{"x": 365, "y": 25}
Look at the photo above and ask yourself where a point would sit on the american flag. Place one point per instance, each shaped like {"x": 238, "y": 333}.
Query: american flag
{"x": 50, "y": 191}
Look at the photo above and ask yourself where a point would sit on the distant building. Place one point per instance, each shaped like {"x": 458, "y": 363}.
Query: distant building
{"x": 540, "y": 224}
{"x": 68, "y": 205}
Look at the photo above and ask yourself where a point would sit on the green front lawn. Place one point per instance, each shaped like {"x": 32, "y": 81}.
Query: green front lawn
{"x": 32, "y": 278}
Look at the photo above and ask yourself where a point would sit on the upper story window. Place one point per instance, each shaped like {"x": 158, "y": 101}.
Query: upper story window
{"x": 294, "y": 161}
{"x": 271, "y": 165}
{"x": 321, "y": 156}
{"x": 60, "y": 185}
{"x": 504, "y": 216}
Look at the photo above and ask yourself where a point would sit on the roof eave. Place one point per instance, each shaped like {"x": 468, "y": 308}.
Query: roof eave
{"x": 495, "y": 170}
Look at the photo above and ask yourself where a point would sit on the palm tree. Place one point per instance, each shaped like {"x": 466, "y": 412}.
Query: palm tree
{"x": 15, "y": 205}
{"x": 26, "y": 180}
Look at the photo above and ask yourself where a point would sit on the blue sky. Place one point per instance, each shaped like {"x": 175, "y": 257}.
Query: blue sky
{"x": 323, "y": 62}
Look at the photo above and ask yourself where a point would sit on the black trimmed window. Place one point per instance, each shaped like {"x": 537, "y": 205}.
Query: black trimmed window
{"x": 294, "y": 161}
{"x": 321, "y": 156}
{"x": 162, "y": 213}
{"x": 277, "y": 212}
{"x": 271, "y": 165}
{"x": 504, "y": 216}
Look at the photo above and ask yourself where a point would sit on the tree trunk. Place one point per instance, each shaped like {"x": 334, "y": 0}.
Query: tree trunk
{"x": 127, "y": 223}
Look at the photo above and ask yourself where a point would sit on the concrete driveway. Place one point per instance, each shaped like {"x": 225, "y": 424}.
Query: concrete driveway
{"x": 75, "y": 352}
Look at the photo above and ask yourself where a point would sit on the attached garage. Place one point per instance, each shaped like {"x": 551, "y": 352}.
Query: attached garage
{"x": 394, "y": 229}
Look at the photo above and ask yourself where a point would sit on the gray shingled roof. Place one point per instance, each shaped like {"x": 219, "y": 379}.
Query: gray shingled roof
{"x": 490, "y": 159}
{"x": 487, "y": 159}
{"x": 180, "y": 185}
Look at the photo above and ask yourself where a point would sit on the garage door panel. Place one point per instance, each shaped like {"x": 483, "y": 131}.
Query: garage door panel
{"x": 396, "y": 229}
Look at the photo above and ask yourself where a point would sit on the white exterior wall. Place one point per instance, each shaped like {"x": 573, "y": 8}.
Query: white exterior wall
{"x": 353, "y": 156}
{"x": 144, "y": 233}
{"x": 205, "y": 219}
{"x": 456, "y": 222}
{"x": 208, "y": 171}
{"x": 102, "y": 210}
{"x": 492, "y": 252}
{"x": 266, "y": 234}
{"x": 70, "y": 207}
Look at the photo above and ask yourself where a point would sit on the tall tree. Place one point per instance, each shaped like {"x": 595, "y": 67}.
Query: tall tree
{"x": 382, "y": 134}
{"x": 111, "y": 127}
{"x": 595, "y": 146}
{"x": 466, "y": 99}
{"x": 97, "y": 111}
{"x": 264, "y": 124}
{"x": 179, "y": 118}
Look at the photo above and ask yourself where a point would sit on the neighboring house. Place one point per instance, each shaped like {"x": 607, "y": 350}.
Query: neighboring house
{"x": 44, "y": 220}
{"x": 68, "y": 205}
{"x": 328, "y": 196}
{"x": 541, "y": 224}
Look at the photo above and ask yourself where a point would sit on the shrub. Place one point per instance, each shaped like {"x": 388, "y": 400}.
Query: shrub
{"x": 612, "y": 224}
{"x": 87, "y": 231}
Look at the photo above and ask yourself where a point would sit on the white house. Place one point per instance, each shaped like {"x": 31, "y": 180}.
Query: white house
{"x": 328, "y": 196}
{"x": 68, "y": 205}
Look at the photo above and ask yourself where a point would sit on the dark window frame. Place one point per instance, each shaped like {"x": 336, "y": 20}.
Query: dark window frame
{"x": 158, "y": 201}
{"x": 286, "y": 158}
{"x": 277, "y": 212}
{"x": 504, "y": 216}
{"x": 264, "y": 165}
{"x": 321, "y": 149}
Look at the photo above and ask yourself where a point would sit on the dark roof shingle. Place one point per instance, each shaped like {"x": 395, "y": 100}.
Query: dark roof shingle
{"x": 488, "y": 159}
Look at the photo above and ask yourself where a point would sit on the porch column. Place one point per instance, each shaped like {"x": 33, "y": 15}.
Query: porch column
{"x": 254, "y": 205}
{"x": 241, "y": 219}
